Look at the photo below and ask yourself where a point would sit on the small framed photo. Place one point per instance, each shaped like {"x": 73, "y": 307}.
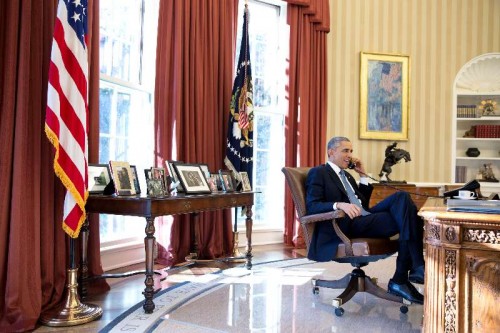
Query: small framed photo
{"x": 213, "y": 181}
{"x": 245, "y": 182}
{"x": 226, "y": 179}
{"x": 135, "y": 179}
{"x": 192, "y": 178}
{"x": 121, "y": 173}
{"x": 173, "y": 174}
{"x": 99, "y": 177}
{"x": 204, "y": 168}
{"x": 156, "y": 182}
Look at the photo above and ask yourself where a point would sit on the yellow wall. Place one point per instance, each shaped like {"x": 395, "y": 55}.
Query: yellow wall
{"x": 440, "y": 36}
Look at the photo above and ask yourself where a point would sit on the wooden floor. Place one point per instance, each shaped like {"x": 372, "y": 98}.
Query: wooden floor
{"x": 126, "y": 292}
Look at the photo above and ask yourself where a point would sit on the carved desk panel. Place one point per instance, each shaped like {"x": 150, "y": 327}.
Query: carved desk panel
{"x": 462, "y": 280}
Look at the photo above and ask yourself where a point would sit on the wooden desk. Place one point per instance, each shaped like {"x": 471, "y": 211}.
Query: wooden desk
{"x": 382, "y": 191}
{"x": 150, "y": 208}
{"x": 462, "y": 263}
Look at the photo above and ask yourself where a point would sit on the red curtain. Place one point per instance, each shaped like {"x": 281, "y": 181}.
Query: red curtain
{"x": 305, "y": 123}
{"x": 194, "y": 77}
{"x": 33, "y": 246}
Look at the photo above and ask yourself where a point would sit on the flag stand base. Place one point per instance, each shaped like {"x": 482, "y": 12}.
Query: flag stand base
{"x": 237, "y": 255}
{"x": 71, "y": 312}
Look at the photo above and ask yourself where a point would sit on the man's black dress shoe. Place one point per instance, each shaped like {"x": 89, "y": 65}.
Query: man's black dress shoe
{"x": 417, "y": 275}
{"x": 407, "y": 291}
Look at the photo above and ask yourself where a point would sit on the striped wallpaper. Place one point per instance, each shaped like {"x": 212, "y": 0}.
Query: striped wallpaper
{"x": 440, "y": 36}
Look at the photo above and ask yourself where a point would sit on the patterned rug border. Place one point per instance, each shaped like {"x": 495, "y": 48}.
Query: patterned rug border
{"x": 196, "y": 290}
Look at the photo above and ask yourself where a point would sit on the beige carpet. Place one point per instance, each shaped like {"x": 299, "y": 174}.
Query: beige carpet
{"x": 272, "y": 297}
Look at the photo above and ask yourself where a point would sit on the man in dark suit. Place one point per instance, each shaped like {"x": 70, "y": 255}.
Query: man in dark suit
{"x": 330, "y": 187}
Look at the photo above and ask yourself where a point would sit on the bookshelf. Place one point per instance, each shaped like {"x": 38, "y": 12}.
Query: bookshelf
{"x": 476, "y": 81}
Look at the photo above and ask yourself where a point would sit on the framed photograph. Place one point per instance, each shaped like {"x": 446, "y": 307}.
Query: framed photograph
{"x": 99, "y": 177}
{"x": 135, "y": 179}
{"x": 173, "y": 174}
{"x": 204, "y": 168}
{"x": 121, "y": 173}
{"x": 245, "y": 182}
{"x": 226, "y": 179}
{"x": 384, "y": 96}
{"x": 213, "y": 181}
{"x": 192, "y": 178}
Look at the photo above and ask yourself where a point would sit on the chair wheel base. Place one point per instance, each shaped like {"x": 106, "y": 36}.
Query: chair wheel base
{"x": 339, "y": 312}
{"x": 315, "y": 290}
{"x": 403, "y": 309}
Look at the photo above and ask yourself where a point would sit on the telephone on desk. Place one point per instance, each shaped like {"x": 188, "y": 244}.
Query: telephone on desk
{"x": 470, "y": 186}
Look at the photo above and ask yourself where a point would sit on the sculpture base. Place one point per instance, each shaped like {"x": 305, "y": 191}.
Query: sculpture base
{"x": 393, "y": 182}
{"x": 71, "y": 312}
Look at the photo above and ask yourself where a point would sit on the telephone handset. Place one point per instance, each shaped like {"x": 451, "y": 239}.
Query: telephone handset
{"x": 351, "y": 165}
{"x": 470, "y": 186}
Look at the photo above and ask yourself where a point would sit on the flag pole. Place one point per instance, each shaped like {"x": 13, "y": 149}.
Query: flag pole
{"x": 236, "y": 251}
{"x": 66, "y": 129}
{"x": 71, "y": 311}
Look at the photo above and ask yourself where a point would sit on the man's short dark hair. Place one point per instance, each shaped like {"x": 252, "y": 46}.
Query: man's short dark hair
{"x": 335, "y": 142}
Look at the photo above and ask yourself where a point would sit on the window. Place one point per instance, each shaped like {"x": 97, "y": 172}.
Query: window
{"x": 125, "y": 98}
{"x": 268, "y": 49}
{"x": 127, "y": 50}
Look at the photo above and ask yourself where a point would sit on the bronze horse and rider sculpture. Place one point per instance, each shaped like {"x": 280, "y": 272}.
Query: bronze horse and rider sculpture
{"x": 392, "y": 156}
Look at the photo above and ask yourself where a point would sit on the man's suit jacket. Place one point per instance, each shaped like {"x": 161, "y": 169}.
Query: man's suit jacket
{"x": 323, "y": 189}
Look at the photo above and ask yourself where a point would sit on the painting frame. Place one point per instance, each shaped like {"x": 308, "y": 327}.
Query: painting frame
{"x": 384, "y": 92}
{"x": 192, "y": 178}
{"x": 102, "y": 172}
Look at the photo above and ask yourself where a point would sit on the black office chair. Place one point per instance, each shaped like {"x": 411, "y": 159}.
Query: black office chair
{"x": 357, "y": 251}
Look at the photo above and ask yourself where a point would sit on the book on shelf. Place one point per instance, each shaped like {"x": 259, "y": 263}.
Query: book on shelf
{"x": 460, "y": 174}
{"x": 466, "y": 111}
{"x": 487, "y": 131}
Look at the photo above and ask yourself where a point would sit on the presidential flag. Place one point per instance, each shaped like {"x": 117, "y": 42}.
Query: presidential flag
{"x": 67, "y": 106}
{"x": 239, "y": 145}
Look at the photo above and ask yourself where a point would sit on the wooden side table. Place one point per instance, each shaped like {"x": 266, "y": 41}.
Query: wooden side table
{"x": 419, "y": 194}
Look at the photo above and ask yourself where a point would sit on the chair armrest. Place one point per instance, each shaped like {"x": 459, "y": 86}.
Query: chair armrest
{"x": 333, "y": 216}
{"x": 321, "y": 217}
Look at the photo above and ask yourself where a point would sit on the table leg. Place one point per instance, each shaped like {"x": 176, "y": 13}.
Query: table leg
{"x": 249, "y": 225}
{"x": 149, "y": 241}
{"x": 84, "y": 273}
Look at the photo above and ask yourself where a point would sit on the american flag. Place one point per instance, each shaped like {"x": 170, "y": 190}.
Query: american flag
{"x": 239, "y": 144}
{"x": 67, "y": 106}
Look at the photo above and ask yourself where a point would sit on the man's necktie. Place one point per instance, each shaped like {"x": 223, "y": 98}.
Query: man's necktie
{"x": 350, "y": 193}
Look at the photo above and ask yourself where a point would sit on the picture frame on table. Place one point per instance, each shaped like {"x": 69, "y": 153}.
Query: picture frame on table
{"x": 245, "y": 182}
{"x": 135, "y": 179}
{"x": 206, "y": 171}
{"x": 192, "y": 178}
{"x": 227, "y": 180}
{"x": 121, "y": 173}
{"x": 384, "y": 96}
{"x": 99, "y": 176}
{"x": 173, "y": 174}
{"x": 213, "y": 181}
{"x": 156, "y": 182}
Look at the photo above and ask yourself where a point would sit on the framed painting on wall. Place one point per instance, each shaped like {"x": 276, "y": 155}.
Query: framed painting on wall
{"x": 384, "y": 96}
